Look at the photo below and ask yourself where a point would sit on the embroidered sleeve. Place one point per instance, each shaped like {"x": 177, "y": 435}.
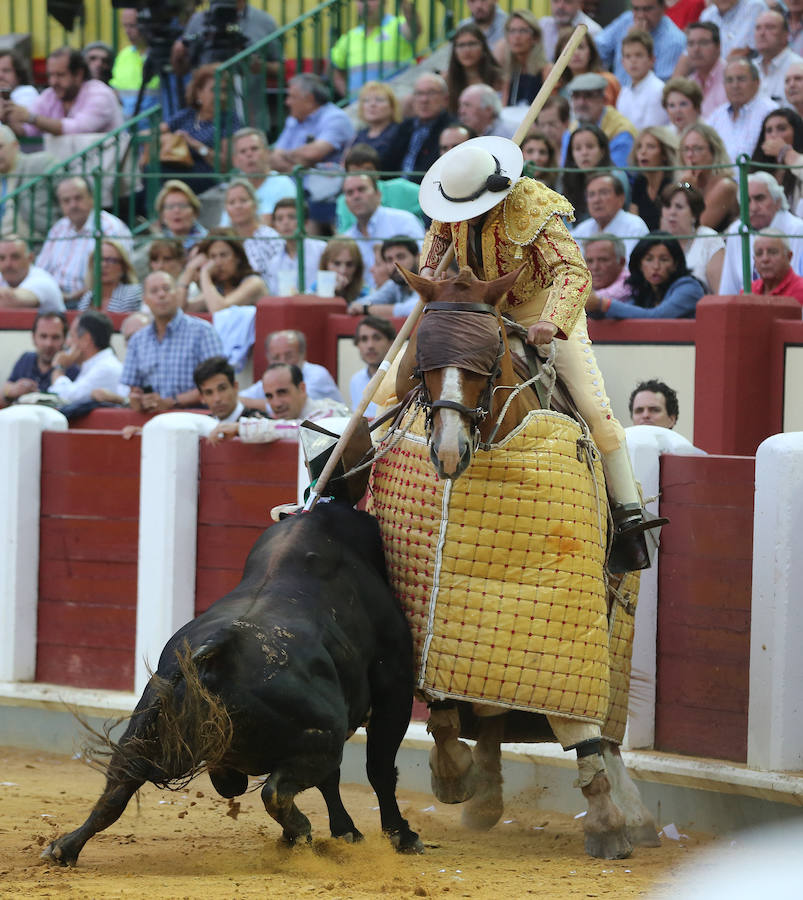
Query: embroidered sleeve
{"x": 436, "y": 243}
{"x": 556, "y": 251}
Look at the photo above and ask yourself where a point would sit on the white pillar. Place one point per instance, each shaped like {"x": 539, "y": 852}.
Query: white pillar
{"x": 647, "y": 443}
{"x": 775, "y": 717}
{"x": 21, "y": 430}
{"x": 168, "y": 527}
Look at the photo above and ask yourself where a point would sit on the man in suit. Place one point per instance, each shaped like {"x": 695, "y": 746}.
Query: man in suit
{"x": 25, "y": 215}
{"x": 418, "y": 135}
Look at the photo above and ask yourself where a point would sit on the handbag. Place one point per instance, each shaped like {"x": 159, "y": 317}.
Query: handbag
{"x": 173, "y": 148}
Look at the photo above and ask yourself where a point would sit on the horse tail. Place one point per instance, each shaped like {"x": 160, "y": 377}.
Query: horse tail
{"x": 183, "y": 731}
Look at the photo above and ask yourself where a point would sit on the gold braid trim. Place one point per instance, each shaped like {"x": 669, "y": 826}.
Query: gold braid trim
{"x": 528, "y": 208}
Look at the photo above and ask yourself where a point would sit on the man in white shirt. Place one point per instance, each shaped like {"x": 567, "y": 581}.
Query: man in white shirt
{"x": 284, "y": 280}
{"x": 90, "y": 339}
{"x": 372, "y": 338}
{"x": 251, "y": 155}
{"x": 640, "y": 101}
{"x": 775, "y": 55}
{"x": 768, "y": 208}
{"x": 565, "y": 14}
{"x": 69, "y": 242}
{"x": 736, "y": 20}
{"x": 738, "y": 121}
{"x": 375, "y": 223}
{"x": 23, "y": 285}
{"x": 290, "y": 347}
{"x": 605, "y": 199}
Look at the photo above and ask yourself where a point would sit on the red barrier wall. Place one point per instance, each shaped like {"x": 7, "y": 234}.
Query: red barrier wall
{"x": 704, "y": 598}
{"x": 88, "y": 560}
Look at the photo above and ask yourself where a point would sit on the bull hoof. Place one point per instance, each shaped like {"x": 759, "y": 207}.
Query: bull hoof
{"x": 55, "y": 855}
{"x": 485, "y": 808}
{"x": 406, "y": 842}
{"x": 296, "y": 840}
{"x": 609, "y": 844}
{"x": 350, "y": 837}
{"x": 643, "y": 835}
{"x": 454, "y": 775}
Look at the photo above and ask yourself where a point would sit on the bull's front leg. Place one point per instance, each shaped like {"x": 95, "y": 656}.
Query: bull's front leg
{"x": 64, "y": 851}
{"x": 341, "y": 825}
{"x": 278, "y": 795}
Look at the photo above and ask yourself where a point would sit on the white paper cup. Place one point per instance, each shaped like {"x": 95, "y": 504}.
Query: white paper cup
{"x": 327, "y": 281}
{"x": 288, "y": 283}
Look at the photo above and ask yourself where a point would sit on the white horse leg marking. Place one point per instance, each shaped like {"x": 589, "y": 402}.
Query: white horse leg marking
{"x": 449, "y": 447}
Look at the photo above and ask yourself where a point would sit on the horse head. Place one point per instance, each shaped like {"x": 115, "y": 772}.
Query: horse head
{"x": 461, "y": 351}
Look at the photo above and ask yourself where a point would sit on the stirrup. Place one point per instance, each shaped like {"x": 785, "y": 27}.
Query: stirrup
{"x": 629, "y": 549}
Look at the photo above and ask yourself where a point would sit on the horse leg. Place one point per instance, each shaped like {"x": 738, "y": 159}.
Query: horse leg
{"x": 639, "y": 820}
{"x": 453, "y": 771}
{"x": 604, "y": 824}
{"x": 484, "y": 809}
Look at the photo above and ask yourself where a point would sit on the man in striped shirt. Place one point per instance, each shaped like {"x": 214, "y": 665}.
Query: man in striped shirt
{"x": 71, "y": 239}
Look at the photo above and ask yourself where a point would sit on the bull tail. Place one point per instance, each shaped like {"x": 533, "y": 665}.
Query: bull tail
{"x": 184, "y": 731}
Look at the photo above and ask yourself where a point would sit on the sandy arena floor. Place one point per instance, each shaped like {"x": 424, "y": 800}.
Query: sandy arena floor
{"x": 193, "y": 845}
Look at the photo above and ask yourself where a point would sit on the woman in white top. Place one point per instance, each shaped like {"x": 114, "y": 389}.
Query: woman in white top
{"x": 703, "y": 248}
{"x": 261, "y": 243}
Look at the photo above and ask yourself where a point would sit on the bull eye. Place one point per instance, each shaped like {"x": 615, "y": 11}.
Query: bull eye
{"x": 311, "y": 557}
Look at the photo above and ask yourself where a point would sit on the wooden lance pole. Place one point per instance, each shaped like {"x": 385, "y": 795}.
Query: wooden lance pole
{"x": 550, "y": 82}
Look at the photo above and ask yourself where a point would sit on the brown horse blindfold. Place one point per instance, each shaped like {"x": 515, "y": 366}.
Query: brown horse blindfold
{"x": 469, "y": 341}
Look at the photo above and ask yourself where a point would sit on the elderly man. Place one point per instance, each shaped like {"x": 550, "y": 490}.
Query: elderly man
{"x": 767, "y": 208}
{"x": 90, "y": 348}
{"x": 26, "y": 214}
{"x": 736, "y": 20}
{"x": 374, "y": 222}
{"x": 417, "y": 142}
{"x": 23, "y": 285}
{"x": 605, "y": 199}
{"x": 73, "y": 103}
{"x": 453, "y": 135}
{"x": 606, "y": 259}
{"x": 774, "y": 54}
{"x": 250, "y": 154}
{"x": 489, "y": 18}
{"x": 162, "y": 357}
{"x": 588, "y": 105}
{"x": 128, "y": 66}
{"x": 793, "y": 87}
{"x": 772, "y": 256}
{"x": 653, "y": 403}
{"x": 705, "y": 63}
{"x": 738, "y": 121}
{"x": 648, "y": 15}
{"x": 33, "y": 371}
{"x": 290, "y": 346}
{"x": 376, "y": 47}
{"x": 565, "y": 14}
{"x": 315, "y": 134}
{"x": 480, "y": 108}
{"x": 69, "y": 242}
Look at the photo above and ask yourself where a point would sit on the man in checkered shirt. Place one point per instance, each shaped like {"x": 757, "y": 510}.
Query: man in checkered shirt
{"x": 162, "y": 357}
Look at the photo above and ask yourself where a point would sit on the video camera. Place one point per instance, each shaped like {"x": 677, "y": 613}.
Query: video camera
{"x": 220, "y": 36}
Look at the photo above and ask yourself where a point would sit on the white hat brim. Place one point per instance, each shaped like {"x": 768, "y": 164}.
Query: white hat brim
{"x": 436, "y": 206}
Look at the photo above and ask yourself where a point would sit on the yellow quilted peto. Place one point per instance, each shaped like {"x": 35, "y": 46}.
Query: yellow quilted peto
{"x": 500, "y": 572}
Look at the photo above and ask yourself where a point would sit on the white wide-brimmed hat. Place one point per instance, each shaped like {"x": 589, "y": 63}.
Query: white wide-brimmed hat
{"x": 470, "y": 179}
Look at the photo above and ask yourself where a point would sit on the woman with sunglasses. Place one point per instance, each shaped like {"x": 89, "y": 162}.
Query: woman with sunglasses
{"x": 120, "y": 290}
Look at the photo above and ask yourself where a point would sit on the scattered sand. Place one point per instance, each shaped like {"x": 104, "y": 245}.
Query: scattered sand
{"x": 175, "y": 845}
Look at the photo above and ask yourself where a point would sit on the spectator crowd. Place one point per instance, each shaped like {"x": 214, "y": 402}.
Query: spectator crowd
{"x": 641, "y": 135}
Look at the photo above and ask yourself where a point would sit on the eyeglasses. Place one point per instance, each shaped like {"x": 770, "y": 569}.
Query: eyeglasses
{"x": 169, "y": 206}
{"x": 684, "y": 185}
{"x": 521, "y": 31}
{"x": 111, "y": 260}
{"x": 432, "y": 92}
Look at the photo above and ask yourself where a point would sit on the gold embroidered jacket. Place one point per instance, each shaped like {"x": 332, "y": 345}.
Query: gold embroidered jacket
{"x": 525, "y": 227}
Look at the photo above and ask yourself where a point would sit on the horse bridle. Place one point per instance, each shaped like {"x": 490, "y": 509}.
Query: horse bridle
{"x": 480, "y": 412}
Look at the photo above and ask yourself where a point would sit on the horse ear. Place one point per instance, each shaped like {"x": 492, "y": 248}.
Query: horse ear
{"x": 424, "y": 287}
{"x": 495, "y": 290}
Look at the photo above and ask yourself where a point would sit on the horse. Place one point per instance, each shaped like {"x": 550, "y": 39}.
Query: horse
{"x": 473, "y": 398}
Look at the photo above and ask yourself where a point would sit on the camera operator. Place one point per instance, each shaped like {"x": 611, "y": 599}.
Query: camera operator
{"x": 254, "y": 24}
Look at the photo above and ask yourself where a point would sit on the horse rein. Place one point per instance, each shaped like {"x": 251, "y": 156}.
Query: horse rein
{"x": 476, "y": 414}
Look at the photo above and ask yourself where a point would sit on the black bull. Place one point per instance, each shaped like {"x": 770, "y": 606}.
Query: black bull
{"x": 273, "y": 679}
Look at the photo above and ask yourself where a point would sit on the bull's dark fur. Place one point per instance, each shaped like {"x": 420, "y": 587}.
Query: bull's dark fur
{"x": 271, "y": 680}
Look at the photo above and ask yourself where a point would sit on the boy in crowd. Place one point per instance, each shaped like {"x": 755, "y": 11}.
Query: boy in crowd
{"x": 640, "y": 101}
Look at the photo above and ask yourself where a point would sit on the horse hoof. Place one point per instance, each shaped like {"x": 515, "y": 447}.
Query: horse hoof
{"x": 609, "y": 844}
{"x": 643, "y": 835}
{"x": 485, "y": 808}
{"x": 454, "y": 774}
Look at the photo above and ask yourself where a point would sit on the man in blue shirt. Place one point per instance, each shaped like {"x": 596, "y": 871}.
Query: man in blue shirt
{"x": 669, "y": 40}
{"x": 33, "y": 371}
{"x": 162, "y": 357}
